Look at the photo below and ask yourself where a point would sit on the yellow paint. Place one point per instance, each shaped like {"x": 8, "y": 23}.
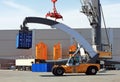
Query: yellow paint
{"x": 82, "y": 68}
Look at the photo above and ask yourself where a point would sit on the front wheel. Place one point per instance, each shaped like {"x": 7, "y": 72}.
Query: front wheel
{"x": 54, "y": 71}
{"x": 58, "y": 71}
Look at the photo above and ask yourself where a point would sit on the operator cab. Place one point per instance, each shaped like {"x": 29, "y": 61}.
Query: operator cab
{"x": 75, "y": 59}
{"x": 79, "y": 56}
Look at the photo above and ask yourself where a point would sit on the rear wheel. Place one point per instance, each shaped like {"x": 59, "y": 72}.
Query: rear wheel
{"x": 58, "y": 71}
{"x": 91, "y": 70}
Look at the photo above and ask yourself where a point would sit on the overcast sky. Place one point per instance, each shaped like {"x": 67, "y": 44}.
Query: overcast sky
{"x": 13, "y": 12}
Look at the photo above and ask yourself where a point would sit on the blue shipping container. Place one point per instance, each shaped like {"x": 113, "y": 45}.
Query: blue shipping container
{"x": 42, "y": 67}
{"x": 24, "y": 40}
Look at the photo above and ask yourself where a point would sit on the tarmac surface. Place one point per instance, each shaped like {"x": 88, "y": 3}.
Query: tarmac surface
{"x": 28, "y": 76}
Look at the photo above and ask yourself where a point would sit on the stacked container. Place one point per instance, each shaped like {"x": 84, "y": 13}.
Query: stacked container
{"x": 41, "y": 51}
{"x": 24, "y": 40}
{"x": 57, "y": 51}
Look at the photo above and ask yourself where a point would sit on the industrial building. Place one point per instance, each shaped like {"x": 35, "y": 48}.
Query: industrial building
{"x": 50, "y": 37}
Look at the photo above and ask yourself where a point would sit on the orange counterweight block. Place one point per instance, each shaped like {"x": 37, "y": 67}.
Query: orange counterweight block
{"x": 41, "y": 51}
{"x": 57, "y": 51}
{"x": 72, "y": 49}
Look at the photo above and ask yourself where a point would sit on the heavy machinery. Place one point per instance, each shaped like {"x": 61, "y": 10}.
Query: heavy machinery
{"x": 90, "y": 64}
{"x": 93, "y": 10}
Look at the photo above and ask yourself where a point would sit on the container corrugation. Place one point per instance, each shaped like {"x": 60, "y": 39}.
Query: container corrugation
{"x": 42, "y": 67}
{"x": 24, "y": 40}
{"x": 57, "y": 51}
{"x": 41, "y": 51}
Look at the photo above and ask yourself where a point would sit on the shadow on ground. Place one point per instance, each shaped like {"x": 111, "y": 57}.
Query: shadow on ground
{"x": 67, "y": 75}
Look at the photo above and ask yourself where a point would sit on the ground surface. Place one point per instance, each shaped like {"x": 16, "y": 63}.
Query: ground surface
{"x": 27, "y": 76}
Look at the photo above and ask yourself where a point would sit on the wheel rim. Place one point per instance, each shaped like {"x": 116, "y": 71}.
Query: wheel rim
{"x": 59, "y": 71}
{"x": 93, "y": 70}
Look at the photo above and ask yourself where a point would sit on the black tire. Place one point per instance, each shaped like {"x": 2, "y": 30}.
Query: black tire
{"x": 91, "y": 70}
{"x": 58, "y": 71}
{"x": 53, "y": 70}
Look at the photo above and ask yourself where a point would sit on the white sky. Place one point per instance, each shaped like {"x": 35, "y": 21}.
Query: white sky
{"x": 13, "y": 13}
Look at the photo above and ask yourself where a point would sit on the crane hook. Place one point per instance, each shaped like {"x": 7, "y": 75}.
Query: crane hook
{"x": 54, "y": 13}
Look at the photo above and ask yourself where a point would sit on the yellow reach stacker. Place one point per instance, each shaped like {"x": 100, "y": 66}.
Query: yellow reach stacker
{"x": 86, "y": 59}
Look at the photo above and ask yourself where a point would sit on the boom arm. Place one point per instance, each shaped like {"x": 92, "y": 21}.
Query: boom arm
{"x": 66, "y": 29}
